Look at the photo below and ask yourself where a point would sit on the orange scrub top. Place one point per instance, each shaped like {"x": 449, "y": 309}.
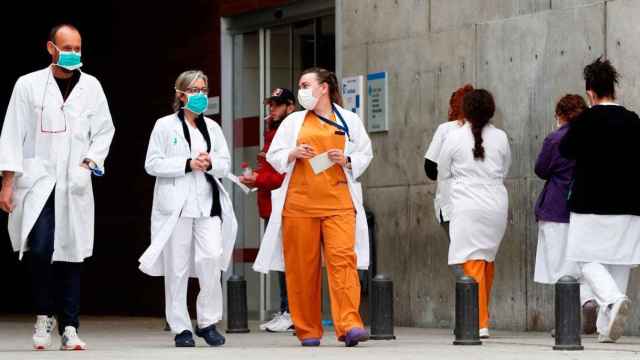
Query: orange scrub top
{"x": 324, "y": 194}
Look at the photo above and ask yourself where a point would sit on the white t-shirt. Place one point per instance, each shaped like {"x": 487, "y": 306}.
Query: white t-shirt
{"x": 442, "y": 201}
{"x": 200, "y": 197}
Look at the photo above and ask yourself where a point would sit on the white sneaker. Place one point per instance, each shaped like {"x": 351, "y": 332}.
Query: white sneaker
{"x": 283, "y": 324}
{"x": 273, "y": 320}
{"x": 484, "y": 333}
{"x": 619, "y": 314}
{"x": 71, "y": 340}
{"x": 605, "y": 339}
{"x": 42, "y": 332}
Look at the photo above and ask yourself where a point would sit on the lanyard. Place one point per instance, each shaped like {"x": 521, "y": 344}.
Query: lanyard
{"x": 344, "y": 127}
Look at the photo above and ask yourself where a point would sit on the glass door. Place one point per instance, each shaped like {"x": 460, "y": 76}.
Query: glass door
{"x": 263, "y": 60}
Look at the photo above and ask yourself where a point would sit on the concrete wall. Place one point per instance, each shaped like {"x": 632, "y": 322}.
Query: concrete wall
{"x": 528, "y": 53}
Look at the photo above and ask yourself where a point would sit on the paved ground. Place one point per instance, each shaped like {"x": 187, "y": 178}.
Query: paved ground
{"x": 143, "y": 338}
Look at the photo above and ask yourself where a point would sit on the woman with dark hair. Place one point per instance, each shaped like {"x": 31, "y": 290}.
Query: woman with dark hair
{"x": 552, "y": 212}
{"x": 317, "y": 212}
{"x": 604, "y": 201}
{"x": 476, "y": 159}
{"x": 442, "y": 201}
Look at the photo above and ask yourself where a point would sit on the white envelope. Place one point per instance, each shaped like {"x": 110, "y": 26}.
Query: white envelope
{"x": 320, "y": 163}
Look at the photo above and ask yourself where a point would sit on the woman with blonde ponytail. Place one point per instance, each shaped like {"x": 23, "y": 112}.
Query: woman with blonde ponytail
{"x": 476, "y": 158}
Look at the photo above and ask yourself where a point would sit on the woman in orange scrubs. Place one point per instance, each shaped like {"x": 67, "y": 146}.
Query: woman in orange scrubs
{"x": 320, "y": 211}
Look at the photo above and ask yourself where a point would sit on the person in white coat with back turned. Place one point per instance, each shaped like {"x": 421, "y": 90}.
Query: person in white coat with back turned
{"x": 193, "y": 227}
{"x": 56, "y": 133}
{"x": 476, "y": 158}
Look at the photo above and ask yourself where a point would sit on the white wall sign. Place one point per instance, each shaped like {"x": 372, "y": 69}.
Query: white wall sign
{"x": 377, "y": 102}
{"x": 214, "y": 106}
{"x": 352, "y": 91}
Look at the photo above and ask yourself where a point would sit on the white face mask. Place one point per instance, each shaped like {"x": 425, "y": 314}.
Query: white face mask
{"x": 306, "y": 99}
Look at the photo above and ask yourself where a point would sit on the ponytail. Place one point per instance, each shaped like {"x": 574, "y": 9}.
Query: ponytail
{"x": 478, "y": 107}
{"x": 329, "y": 77}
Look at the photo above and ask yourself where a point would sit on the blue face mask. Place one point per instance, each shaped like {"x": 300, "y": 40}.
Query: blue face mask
{"x": 69, "y": 60}
{"x": 197, "y": 103}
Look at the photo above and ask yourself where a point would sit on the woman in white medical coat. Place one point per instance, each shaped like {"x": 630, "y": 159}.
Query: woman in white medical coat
{"x": 319, "y": 210}
{"x": 476, "y": 158}
{"x": 193, "y": 227}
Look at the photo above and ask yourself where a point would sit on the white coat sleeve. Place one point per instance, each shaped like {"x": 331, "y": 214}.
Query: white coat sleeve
{"x": 359, "y": 148}
{"x": 13, "y": 132}
{"x": 435, "y": 146}
{"x": 102, "y": 130}
{"x": 157, "y": 163}
{"x": 445, "y": 159}
{"x": 507, "y": 156}
{"x": 282, "y": 145}
{"x": 220, "y": 158}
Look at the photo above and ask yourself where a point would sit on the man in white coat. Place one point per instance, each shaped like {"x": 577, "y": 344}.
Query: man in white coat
{"x": 56, "y": 134}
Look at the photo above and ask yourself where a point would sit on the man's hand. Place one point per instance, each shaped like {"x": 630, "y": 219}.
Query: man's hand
{"x": 6, "y": 204}
{"x": 250, "y": 180}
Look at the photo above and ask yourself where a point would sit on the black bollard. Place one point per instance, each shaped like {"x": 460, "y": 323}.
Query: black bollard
{"x": 237, "y": 321}
{"x": 467, "y": 315}
{"x": 381, "y": 296}
{"x": 567, "y": 307}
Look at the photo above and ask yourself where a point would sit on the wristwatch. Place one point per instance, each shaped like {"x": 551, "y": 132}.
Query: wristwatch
{"x": 93, "y": 167}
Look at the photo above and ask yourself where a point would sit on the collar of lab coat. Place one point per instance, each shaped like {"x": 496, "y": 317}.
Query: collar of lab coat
{"x": 53, "y": 91}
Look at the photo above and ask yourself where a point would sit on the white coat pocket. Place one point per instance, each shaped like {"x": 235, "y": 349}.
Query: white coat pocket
{"x": 79, "y": 180}
{"x": 165, "y": 195}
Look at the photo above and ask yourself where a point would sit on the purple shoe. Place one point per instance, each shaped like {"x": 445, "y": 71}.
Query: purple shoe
{"x": 310, "y": 342}
{"x": 355, "y": 336}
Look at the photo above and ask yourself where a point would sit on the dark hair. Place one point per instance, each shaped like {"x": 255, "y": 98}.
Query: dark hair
{"x": 478, "y": 107}
{"x": 326, "y": 76}
{"x": 55, "y": 29}
{"x": 455, "y": 103}
{"x": 570, "y": 106}
{"x": 601, "y": 77}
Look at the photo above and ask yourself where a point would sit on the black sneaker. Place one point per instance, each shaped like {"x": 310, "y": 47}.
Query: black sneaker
{"x": 185, "y": 339}
{"x": 211, "y": 335}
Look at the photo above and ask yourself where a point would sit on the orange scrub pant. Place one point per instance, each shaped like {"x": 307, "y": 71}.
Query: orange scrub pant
{"x": 482, "y": 271}
{"x": 303, "y": 240}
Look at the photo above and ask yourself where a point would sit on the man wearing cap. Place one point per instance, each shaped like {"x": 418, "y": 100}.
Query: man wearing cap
{"x": 265, "y": 178}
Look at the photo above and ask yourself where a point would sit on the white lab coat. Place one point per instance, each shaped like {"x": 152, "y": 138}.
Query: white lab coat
{"x": 442, "y": 200}
{"x": 43, "y": 160}
{"x": 166, "y": 159}
{"x": 478, "y": 196}
{"x": 358, "y": 147}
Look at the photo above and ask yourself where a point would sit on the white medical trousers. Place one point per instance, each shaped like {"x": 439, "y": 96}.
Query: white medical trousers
{"x": 195, "y": 242}
{"x": 609, "y": 284}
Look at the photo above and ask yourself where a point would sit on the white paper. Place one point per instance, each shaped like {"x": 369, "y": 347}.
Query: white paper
{"x": 234, "y": 179}
{"x": 320, "y": 163}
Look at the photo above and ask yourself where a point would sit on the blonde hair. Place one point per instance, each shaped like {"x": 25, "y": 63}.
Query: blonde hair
{"x": 183, "y": 82}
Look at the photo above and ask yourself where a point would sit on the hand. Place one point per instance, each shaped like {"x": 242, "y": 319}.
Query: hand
{"x": 250, "y": 181}
{"x": 198, "y": 165}
{"x": 262, "y": 154}
{"x": 204, "y": 157}
{"x": 5, "y": 198}
{"x": 303, "y": 151}
{"x": 337, "y": 156}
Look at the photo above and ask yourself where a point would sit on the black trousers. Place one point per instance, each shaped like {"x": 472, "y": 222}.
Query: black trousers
{"x": 55, "y": 286}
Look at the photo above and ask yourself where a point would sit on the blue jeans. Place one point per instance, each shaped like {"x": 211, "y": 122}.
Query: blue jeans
{"x": 55, "y": 286}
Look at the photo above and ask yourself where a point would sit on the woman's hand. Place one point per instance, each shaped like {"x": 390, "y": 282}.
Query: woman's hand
{"x": 302, "y": 151}
{"x": 201, "y": 163}
{"x": 337, "y": 156}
